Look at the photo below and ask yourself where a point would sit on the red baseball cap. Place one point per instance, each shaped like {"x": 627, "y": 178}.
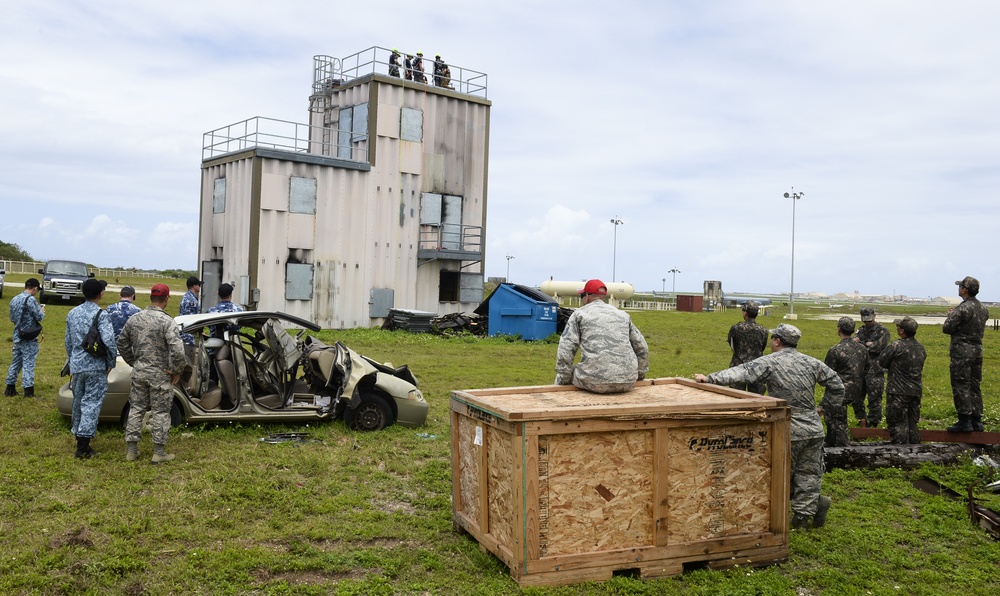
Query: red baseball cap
{"x": 595, "y": 286}
{"x": 159, "y": 290}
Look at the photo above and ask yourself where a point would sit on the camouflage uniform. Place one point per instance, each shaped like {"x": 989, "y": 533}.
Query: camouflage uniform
{"x": 904, "y": 360}
{"x": 189, "y": 306}
{"x": 614, "y": 352}
{"x": 792, "y": 376}
{"x": 90, "y": 373}
{"x": 225, "y": 306}
{"x": 966, "y": 325}
{"x": 747, "y": 339}
{"x": 120, "y": 312}
{"x": 874, "y": 373}
{"x": 848, "y": 359}
{"x": 25, "y": 351}
{"x": 151, "y": 344}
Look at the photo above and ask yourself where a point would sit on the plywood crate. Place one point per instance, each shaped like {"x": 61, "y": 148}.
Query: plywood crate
{"x": 566, "y": 486}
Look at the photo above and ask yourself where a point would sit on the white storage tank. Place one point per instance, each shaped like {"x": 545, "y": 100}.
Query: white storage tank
{"x": 618, "y": 291}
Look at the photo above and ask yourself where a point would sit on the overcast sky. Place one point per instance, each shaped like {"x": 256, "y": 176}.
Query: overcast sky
{"x": 686, "y": 120}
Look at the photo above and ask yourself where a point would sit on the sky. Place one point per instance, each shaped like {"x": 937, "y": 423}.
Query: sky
{"x": 685, "y": 120}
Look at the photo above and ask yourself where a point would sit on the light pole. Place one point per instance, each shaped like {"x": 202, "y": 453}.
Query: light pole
{"x": 674, "y": 272}
{"x": 509, "y": 257}
{"x": 614, "y": 249}
{"x": 794, "y": 196}
{"x": 664, "y": 285}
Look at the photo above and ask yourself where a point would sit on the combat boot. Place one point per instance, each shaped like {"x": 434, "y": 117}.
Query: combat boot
{"x": 83, "y": 449}
{"x": 964, "y": 425}
{"x": 821, "y": 510}
{"x": 977, "y": 423}
{"x": 10, "y": 391}
{"x": 132, "y": 451}
{"x": 800, "y": 521}
{"x": 29, "y": 391}
{"x": 160, "y": 454}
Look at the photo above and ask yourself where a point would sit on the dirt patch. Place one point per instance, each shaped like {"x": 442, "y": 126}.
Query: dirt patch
{"x": 77, "y": 537}
{"x": 308, "y": 578}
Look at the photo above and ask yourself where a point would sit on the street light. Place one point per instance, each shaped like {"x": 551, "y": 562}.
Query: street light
{"x": 614, "y": 249}
{"x": 674, "y": 272}
{"x": 664, "y": 285}
{"x": 509, "y": 257}
{"x": 794, "y": 196}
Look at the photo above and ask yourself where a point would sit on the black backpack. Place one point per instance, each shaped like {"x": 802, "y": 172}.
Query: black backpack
{"x": 92, "y": 342}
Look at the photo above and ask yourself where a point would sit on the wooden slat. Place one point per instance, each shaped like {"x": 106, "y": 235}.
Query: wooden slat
{"x": 933, "y": 436}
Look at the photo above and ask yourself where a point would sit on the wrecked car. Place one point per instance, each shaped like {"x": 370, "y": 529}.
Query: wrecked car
{"x": 261, "y": 367}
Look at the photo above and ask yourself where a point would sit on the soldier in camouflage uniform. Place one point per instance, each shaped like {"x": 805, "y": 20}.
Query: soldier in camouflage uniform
{"x": 225, "y": 304}
{"x": 151, "y": 344}
{"x": 848, "y": 359}
{"x": 792, "y": 376}
{"x": 123, "y": 309}
{"x": 190, "y": 305}
{"x": 614, "y": 352}
{"x": 24, "y": 312}
{"x": 748, "y": 338}
{"x": 874, "y": 337}
{"x": 90, "y": 372}
{"x": 904, "y": 361}
{"x": 966, "y": 324}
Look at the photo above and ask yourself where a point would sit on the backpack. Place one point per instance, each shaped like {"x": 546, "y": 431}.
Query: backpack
{"x": 92, "y": 342}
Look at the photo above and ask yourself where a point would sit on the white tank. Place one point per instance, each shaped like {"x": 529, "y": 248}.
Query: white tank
{"x": 619, "y": 291}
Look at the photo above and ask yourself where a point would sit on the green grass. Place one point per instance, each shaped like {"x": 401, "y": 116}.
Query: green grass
{"x": 350, "y": 513}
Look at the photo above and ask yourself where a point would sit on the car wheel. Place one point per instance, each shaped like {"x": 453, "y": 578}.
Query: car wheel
{"x": 373, "y": 413}
{"x": 176, "y": 419}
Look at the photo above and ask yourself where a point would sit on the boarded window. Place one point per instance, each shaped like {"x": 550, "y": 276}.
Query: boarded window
{"x": 298, "y": 281}
{"x": 352, "y": 127}
{"x": 302, "y": 195}
{"x": 219, "y": 196}
{"x": 411, "y": 125}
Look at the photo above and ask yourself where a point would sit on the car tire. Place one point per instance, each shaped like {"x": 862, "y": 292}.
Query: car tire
{"x": 176, "y": 419}
{"x": 373, "y": 413}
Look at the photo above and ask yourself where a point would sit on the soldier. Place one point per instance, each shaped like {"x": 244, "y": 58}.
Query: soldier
{"x": 90, "y": 372}
{"x": 123, "y": 309}
{"x": 848, "y": 359}
{"x": 792, "y": 376}
{"x": 748, "y": 338}
{"x": 614, "y": 352}
{"x": 225, "y": 305}
{"x": 904, "y": 360}
{"x": 966, "y": 324}
{"x": 874, "y": 337}
{"x": 190, "y": 305}
{"x": 24, "y": 312}
{"x": 394, "y": 63}
{"x": 151, "y": 344}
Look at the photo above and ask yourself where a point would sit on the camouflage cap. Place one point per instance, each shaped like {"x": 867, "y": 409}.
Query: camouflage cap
{"x": 867, "y": 314}
{"x": 846, "y": 325}
{"x": 908, "y": 325}
{"x": 789, "y": 334}
{"x": 969, "y": 283}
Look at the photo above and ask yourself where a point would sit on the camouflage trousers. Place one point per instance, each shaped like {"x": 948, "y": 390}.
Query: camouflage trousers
{"x": 966, "y": 376}
{"x": 901, "y": 415}
{"x": 874, "y": 385}
{"x": 155, "y": 395}
{"x": 23, "y": 360}
{"x": 807, "y": 475}
{"x": 836, "y": 426}
{"x": 89, "y": 388}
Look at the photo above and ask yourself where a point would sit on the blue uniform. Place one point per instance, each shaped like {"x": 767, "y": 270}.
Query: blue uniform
{"x": 119, "y": 313}
{"x": 90, "y": 373}
{"x": 226, "y": 306}
{"x": 189, "y": 306}
{"x": 25, "y": 351}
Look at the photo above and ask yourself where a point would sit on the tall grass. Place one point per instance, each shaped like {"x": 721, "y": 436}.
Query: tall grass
{"x": 350, "y": 513}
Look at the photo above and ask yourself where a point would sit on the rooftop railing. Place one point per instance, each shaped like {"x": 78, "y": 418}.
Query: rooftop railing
{"x": 274, "y": 134}
{"x": 329, "y": 72}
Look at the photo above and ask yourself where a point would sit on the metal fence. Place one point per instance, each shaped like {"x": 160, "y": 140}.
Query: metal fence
{"x": 328, "y": 72}
{"x": 271, "y": 133}
{"x": 32, "y": 267}
{"x": 459, "y": 237}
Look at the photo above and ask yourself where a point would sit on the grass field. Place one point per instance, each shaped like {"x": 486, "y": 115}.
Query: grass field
{"x": 349, "y": 513}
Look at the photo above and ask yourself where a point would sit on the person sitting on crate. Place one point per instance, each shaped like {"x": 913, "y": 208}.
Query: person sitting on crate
{"x": 614, "y": 352}
{"x": 792, "y": 376}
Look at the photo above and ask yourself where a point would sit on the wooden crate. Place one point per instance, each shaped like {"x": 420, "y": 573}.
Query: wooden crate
{"x": 566, "y": 486}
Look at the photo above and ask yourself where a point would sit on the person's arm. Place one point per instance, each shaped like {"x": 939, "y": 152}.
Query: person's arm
{"x": 107, "y": 331}
{"x": 569, "y": 343}
{"x": 828, "y": 378}
{"x": 640, "y": 348}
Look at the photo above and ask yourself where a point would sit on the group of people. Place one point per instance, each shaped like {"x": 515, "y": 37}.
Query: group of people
{"x": 615, "y": 355}
{"x": 148, "y": 340}
{"x": 413, "y": 69}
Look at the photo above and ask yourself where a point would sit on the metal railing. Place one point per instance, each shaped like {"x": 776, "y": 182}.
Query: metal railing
{"x": 31, "y": 268}
{"x": 456, "y": 237}
{"x": 329, "y": 72}
{"x": 271, "y": 133}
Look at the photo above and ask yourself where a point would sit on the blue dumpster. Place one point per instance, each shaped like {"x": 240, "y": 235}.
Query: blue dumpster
{"x": 519, "y": 310}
